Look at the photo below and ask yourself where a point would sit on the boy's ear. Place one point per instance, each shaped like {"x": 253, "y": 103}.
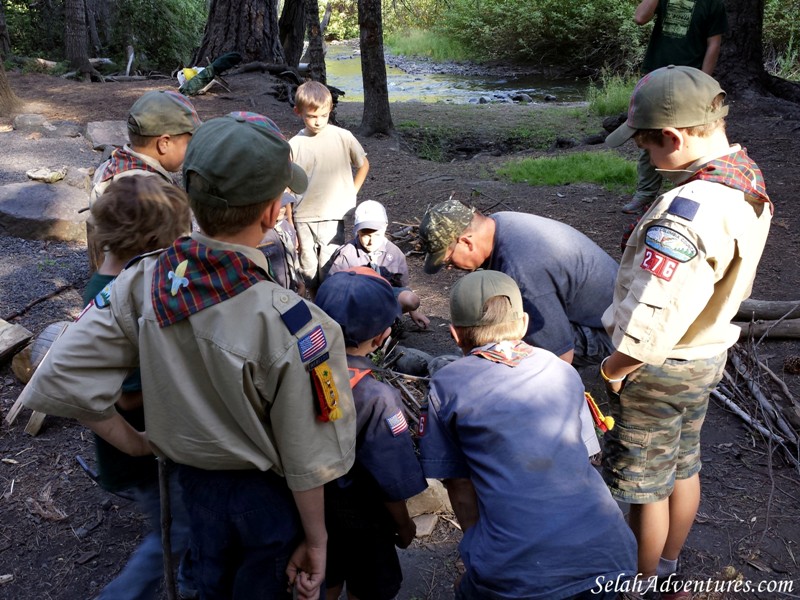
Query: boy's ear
{"x": 270, "y": 215}
{"x": 297, "y": 111}
{"x": 673, "y": 138}
{"x": 162, "y": 144}
{"x": 378, "y": 340}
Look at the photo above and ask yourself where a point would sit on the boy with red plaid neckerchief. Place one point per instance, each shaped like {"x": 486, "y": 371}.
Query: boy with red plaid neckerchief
{"x": 687, "y": 266}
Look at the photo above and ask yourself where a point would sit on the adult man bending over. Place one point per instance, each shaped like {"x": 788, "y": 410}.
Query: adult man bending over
{"x": 566, "y": 280}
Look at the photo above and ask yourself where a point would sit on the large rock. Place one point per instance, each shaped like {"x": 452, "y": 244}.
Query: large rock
{"x": 107, "y": 133}
{"x": 41, "y": 211}
{"x": 433, "y": 499}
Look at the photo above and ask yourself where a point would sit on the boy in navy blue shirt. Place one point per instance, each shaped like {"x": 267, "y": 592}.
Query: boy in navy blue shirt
{"x": 365, "y": 510}
{"x": 503, "y": 432}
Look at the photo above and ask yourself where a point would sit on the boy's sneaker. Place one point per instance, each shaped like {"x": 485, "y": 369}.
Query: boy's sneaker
{"x": 638, "y": 206}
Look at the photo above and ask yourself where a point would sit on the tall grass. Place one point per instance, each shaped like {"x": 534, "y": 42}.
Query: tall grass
{"x": 416, "y": 42}
{"x": 604, "y": 168}
{"x": 612, "y": 95}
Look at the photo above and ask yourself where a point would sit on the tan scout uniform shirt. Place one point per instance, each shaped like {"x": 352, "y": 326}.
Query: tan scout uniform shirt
{"x": 99, "y": 186}
{"x": 328, "y": 159}
{"x": 224, "y": 389}
{"x": 675, "y": 295}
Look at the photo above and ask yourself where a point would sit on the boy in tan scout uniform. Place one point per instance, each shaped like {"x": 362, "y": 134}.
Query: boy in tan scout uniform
{"x": 160, "y": 125}
{"x": 245, "y": 384}
{"x": 687, "y": 266}
{"x": 328, "y": 154}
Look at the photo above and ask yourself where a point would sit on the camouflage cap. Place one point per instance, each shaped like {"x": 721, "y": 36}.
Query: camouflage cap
{"x": 678, "y": 97}
{"x": 440, "y": 227}
{"x": 162, "y": 113}
{"x": 239, "y": 160}
{"x": 470, "y": 293}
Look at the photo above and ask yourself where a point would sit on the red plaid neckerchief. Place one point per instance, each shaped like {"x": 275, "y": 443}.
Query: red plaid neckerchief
{"x": 736, "y": 171}
{"x": 122, "y": 160}
{"x": 190, "y": 276}
{"x": 507, "y": 353}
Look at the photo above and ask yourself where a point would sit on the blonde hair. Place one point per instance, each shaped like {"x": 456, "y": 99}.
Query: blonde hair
{"x": 312, "y": 95}
{"x": 495, "y": 325}
{"x": 654, "y": 136}
{"x": 138, "y": 214}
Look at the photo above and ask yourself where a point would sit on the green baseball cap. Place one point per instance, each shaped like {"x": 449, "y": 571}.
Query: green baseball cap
{"x": 470, "y": 293}
{"x": 238, "y": 160}
{"x": 162, "y": 113}
{"x": 671, "y": 96}
{"x": 441, "y": 225}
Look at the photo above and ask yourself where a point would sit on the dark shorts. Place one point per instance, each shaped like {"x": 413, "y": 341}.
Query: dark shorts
{"x": 244, "y": 527}
{"x": 656, "y": 438}
{"x": 366, "y": 560}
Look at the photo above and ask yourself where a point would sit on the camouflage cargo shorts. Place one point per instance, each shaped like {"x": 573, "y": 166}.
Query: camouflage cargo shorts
{"x": 656, "y": 439}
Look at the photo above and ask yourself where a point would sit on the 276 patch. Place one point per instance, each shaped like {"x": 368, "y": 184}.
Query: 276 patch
{"x": 658, "y": 264}
{"x": 670, "y": 243}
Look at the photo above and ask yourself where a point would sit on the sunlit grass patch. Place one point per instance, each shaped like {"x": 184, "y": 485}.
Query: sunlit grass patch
{"x": 604, "y": 168}
{"x": 612, "y": 95}
{"x": 416, "y": 42}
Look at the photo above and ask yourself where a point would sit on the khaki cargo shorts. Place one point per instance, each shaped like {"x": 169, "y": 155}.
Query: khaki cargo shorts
{"x": 656, "y": 439}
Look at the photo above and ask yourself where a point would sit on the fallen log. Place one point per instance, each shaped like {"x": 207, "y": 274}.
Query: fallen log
{"x": 765, "y": 310}
{"x": 770, "y": 329}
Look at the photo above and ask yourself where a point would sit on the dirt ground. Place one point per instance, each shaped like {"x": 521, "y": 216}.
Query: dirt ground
{"x": 62, "y": 537}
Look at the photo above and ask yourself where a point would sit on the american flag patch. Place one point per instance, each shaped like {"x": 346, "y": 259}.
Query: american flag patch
{"x": 397, "y": 423}
{"x": 312, "y": 344}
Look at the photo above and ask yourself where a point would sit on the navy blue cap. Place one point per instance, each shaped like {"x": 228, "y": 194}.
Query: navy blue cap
{"x": 361, "y": 301}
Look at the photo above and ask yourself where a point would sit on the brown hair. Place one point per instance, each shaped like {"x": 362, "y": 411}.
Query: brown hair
{"x": 495, "y": 325}
{"x": 141, "y": 141}
{"x": 138, "y": 214}
{"x": 216, "y": 221}
{"x": 654, "y": 136}
{"x": 312, "y": 95}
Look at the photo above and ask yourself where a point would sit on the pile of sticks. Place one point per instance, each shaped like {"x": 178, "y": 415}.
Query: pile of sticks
{"x": 413, "y": 389}
{"x": 752, "y": 391}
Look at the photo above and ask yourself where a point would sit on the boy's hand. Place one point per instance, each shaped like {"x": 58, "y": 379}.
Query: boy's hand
{"x": 306, "y": 570}
{"x": 406, "y": 534}
{"x": 419, "y": 319}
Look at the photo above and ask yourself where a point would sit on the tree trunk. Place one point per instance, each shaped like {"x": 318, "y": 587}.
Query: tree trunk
{"x": 76, "y": 42}
{"x": 9, "y": 103}
{"x": 316, "y": 45}
{"x": 249, "y": 27}
{"x": 292, "y": 30}
{"x": 92, "y": 18}
{"x": 377, "y": 116}
{"x": 5, "y": 41}
{"x": 741, "y": 65}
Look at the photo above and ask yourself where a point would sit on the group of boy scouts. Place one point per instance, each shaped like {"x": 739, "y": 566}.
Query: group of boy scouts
{"x": 293, "y": 460}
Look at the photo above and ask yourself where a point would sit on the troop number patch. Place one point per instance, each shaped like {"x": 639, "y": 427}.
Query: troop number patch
{"x": 658, "y": 264}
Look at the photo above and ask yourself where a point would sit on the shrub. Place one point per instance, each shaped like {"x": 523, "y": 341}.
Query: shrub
{"x": 605, "y": 168}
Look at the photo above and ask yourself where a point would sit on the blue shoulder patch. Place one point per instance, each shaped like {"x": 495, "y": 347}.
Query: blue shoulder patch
{"x": 296, "y": 317}
{"x": 683, "y": 208}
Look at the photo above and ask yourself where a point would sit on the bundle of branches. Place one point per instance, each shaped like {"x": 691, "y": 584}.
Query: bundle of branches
{"x": 769, "y": 319}
{"x": 412, "y": 388}
{"x": 752, "y": 391}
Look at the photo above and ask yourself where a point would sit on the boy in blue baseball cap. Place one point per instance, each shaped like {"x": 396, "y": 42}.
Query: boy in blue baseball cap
{"x": 365, "y": 510}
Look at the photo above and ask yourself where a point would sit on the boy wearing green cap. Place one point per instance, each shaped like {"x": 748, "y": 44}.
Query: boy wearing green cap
{"x": 244, "y": 383}
{"x": 160, "y": 125}
{"x": 686, "y": 268}
{"x": 501, "y": 428}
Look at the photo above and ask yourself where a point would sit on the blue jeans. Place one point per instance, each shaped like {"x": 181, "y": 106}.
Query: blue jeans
{"x": 144, "y": 571}
{"x": 244, "y": 528}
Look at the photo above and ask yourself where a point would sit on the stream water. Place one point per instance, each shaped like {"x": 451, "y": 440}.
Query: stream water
{"x": 343, "y": 65}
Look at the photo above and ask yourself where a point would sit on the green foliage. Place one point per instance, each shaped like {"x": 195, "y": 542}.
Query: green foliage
{"x": 35, "y": 29}
{"x": 584, "y": 34}
{"x": 344, "y": 20}
{"x": 416, "y": 42}
{"x": 782, "y": 38}
{"x": 612, "y": 95}
{"x": 605, "y": 168}
{"x": 164, "y": 33}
